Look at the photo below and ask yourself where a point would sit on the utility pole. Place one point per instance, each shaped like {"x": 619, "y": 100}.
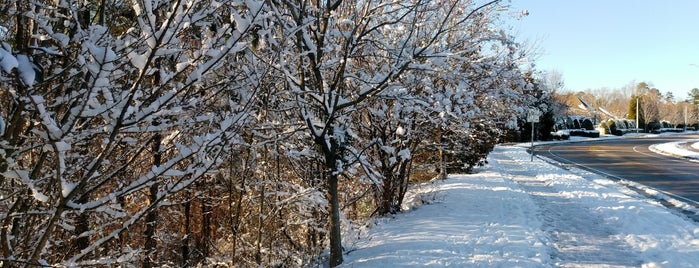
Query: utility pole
{"x": 637, "y": 126}
{"x": 685, "y": 118}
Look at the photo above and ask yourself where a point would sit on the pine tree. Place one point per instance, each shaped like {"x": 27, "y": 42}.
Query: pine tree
{"x": 633, "y": 103}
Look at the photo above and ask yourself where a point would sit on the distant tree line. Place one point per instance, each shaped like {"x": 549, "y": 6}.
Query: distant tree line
{"x": 655, "y": 109}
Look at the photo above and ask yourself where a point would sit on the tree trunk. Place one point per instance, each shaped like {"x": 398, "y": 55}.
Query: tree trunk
{"x": 335, "y": 234}
{"x": 152, "y": 216}
{"x": 187, "y": 230}
{"x": 388, "y": 193}
{"x": 23, "y": 27}
{"x": 404, "y": 180}
{"x": 237, "y": 213}
{"x": 206, "y": 213}
{"x": 151, "y": 224}
{"x": 260, "y": 222}
{"x": 82, "y": 225}
{"x": 331, "y": 152}
{"x": 442, "y": 158}
{"x": 333, "y": 198}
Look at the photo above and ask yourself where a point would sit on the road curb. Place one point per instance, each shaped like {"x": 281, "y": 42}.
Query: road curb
{"x": 686, "y": 207}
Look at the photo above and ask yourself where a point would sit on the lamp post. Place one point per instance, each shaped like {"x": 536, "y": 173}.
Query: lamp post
{"x": 637, "y": 126}
{"x": 685, "y": 119}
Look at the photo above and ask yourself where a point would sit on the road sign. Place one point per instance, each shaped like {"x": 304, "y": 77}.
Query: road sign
{"x": 533, "y": 116}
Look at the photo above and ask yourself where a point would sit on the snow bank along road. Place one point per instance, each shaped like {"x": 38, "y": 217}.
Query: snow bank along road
{"x": 633, "y": 160}
{"x": 517, "y": 213}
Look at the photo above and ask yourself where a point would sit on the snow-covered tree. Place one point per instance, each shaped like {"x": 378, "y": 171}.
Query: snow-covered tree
{"x": 453, "y": 103}
{"x": 389, "y": 124}
{"x": 345, "y": 53}
{"x": 237, "y": 132}
{"x": 114, "y": 108}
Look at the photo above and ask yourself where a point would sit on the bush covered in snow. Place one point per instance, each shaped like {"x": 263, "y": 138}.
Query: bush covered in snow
{"x": 579, "y": 126}
{"x": 663, "y": 126}
{"x": 620, "y": 127}
{"x": 561, "y": 135}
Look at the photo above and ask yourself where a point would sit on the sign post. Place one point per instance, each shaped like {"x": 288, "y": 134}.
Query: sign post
{"x": 533, "y": 117}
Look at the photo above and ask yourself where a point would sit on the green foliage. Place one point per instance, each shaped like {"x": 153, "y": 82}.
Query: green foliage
{"x": 613, "y": 128}
{"x": 632, "y": 110}
{"x": 654, "y": 126}
{"x": 576, "y": 124}
{"x": 605, "y": 127}
{"x": 694, "y": 96}
{"x": 546, "y": 125}
{"x": 463, "y": 152}
{"x": 631, "y": 114}
{"x": 542, "y": 94}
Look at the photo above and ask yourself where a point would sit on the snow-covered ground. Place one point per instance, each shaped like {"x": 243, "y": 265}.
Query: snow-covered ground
{"x": 517, "y": 213}
{"x": 687, "y": 149}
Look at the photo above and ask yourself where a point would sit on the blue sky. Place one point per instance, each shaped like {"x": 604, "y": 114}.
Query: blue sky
{"x": 609, "y": 44}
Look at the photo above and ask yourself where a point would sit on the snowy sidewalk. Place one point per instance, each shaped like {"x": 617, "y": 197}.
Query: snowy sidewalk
{"x": 517, "y": 213}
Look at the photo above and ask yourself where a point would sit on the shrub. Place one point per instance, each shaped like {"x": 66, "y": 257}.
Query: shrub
{"x": 603, "y": 126}
{"x": 655, "y": 127}
{"x": 628, "y": 123}
{"x": 614, "y": 129}
{"x": 560, "y": 135}
{"x": 591, "y": 134}
{"x": 468, "y": 151}
{"x": 587, "y": 124}
{"x": 584, "y": 133}
{"x": 620, "y": 124}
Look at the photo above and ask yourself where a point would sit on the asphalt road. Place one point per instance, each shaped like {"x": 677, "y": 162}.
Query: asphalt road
{"x": 630, "y": 159}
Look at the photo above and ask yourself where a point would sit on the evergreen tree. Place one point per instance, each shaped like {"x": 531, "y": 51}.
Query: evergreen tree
{"x": 636, "y": 100}
{"x": 694, "y": 96}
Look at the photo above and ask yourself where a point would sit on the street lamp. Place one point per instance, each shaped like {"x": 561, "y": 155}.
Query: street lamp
{"x": 637, "y": 126}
